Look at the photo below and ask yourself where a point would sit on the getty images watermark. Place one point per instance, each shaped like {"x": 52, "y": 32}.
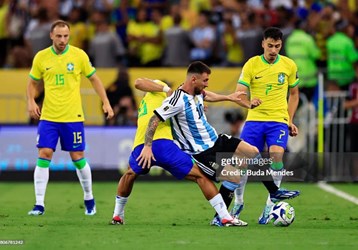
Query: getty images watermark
{"x": 231, "y": 167}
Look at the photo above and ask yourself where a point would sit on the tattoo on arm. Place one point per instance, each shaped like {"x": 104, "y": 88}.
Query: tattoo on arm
{"x": 152, "y": 126}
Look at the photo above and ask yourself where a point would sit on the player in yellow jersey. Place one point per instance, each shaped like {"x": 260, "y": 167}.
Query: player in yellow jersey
{"x": 167, "y": 155}
{"x": 60, "y": 67}
{"x": 269, "y": 77}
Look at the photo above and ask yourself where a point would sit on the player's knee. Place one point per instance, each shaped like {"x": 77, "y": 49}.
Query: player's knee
{"x": 129, "y": 174}
{"x": 45, "y": 153}
{"x": 79, "y": 164}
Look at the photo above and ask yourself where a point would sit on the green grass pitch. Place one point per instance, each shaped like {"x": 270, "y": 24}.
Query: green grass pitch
{"x": 172, "y": 215}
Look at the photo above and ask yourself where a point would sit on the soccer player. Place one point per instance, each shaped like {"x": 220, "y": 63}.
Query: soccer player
{"x": 269, "y": 77}
{"x": 197, "y": 137}
{"x": 60, "y": 67}
{"x": 167, "y": 155}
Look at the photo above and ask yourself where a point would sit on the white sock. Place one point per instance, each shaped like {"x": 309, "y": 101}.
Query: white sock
{"x": 239, "y": 192}
{"x": 85, "y": 177}
{"x": 119, "y": 206}
{"x": 277, "y": 180}
{"x": 41, "y": 176}
{"x": 219, "y": 205}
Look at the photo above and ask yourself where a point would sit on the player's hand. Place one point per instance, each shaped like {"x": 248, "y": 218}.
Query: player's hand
{"x": 293, "y": 130}
{"x": 145, "y": 158}
{"x": 235, "y": 97}
{"x": 255, "y": 102}
{"x": 107, "y": 109}
{"x": 170, "y": 92}
{"x": 34, "y": 110}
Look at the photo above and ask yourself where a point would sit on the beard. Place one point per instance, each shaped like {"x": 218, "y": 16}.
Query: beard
{"x": 197, "y": 91}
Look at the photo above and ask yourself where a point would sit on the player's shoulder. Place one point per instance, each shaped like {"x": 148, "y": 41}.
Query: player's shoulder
{"x": 44, "y": 52}
{"x": 286, "y": 59}
{"x": 254, "y": 60}
{"x": 76, "y": 50}
{"x": 177, "y": 97}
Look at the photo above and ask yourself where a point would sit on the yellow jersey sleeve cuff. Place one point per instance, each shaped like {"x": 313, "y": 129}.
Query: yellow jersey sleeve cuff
{"x": 91, "y": 74}
{"x": 243, "y": 83}
{"x": 34, "y": 78}
{"x": 295, "y": 83}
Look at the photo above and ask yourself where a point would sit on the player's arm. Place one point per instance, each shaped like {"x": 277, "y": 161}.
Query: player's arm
{"x": 32, "y": 107}
{"x": 98, "y": 87}
{"x": 146, "y": 156}
{"x": 293, "y": 100}
{"x": 148, "y": 85}
{"x": 245, "y": 101}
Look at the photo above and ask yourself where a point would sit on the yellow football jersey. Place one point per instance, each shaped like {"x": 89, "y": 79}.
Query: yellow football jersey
{"x": 270, "y": 83}
{"x": 62, "y": 78}
{"x": 149, "y": 103}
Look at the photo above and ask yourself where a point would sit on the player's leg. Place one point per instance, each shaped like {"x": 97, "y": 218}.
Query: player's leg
{"x": 72, "y": 139}
{"x": 125, "y": 185}
{"x": 46, "y": 142}
{"x": 181, "y": 165}
{"x": 252, "y": 134}
{"x": 276, "y": 138}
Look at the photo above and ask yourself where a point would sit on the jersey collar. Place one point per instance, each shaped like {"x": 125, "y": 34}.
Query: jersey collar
{"x": 64, "y": 52}
{"x": 266, "y": 62}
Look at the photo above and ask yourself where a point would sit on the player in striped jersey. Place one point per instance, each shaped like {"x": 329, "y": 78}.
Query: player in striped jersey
{"x": 196, "y": 136}
{"x": 60, "y": 67}
{"x": 175, "y": 161}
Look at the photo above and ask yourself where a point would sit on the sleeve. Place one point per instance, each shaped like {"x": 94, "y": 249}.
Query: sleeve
{"x": 245, "y": 76}
{"x": 293, "y": 79}
{"x": 171, "y": 106}
{"x": 36, "y": 72}
{"x": 87, "y": 69}
{"x": 352, "y": 52}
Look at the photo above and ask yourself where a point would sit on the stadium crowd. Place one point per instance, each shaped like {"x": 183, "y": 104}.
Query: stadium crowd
{"x": 167, "y": 32}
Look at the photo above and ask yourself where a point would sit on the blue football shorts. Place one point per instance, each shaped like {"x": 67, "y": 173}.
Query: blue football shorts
{"x": 71, "y": 135}
{"x": 257, "y": 133}
{"x": 167, "y": 155}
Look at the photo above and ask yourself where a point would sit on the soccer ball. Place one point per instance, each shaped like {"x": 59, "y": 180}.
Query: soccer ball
{"x": 282, "y": 214}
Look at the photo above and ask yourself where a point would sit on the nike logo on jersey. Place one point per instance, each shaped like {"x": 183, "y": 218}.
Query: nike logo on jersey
{"x": 76, "y": 146}
{"x": 258, "y": 77}
{"x": 48, "y": 68}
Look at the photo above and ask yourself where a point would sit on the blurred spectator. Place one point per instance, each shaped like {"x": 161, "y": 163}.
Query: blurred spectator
{"x": 4, "y": 9}
{"x": 78, "y": 28}
{"x": 177, "y": 45}
{"x": 152, "y": 41}
{"x": 203, "y": 38}
{"x": 105, "y": 49}
{"x": 321, "y": 21}
{"x": 235, "y": 119}
{"x": 36, "y": 38}
{"x": 120, "y": 96}
{"x": 301, "y": 47}
{"x": 120, "y": 16}
{"x": 134, "y": 32}
{"x": 99, "y": 5}
{"x": 233, "y": 51}
{"x": 189, "y": 16}
{"x": 342, "y": 55}
{"x": 250, "y": 36}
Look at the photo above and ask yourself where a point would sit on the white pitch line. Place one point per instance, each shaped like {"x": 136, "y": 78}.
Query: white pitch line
{"x": 330, "y": 189}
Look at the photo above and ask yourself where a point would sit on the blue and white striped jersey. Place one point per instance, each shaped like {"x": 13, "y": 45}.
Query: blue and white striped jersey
{"x": 189, "y": 124}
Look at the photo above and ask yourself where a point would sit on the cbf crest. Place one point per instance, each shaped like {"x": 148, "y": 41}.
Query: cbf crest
{"x": 281, "y": 78}
{"x": 70, "y": 67}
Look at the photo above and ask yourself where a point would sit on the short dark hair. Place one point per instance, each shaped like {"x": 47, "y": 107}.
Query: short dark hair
{"x": 198, "y": 67}
{"x": 273, "y": 32}
{"x": 59, "y": 23}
